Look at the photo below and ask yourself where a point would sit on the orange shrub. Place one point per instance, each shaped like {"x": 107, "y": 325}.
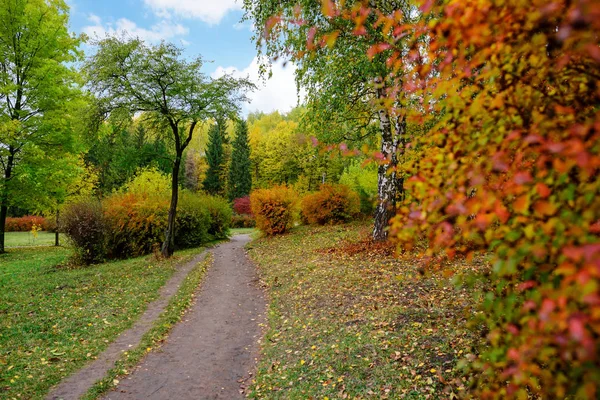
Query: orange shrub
{"x": 24, "y": 224}
{"x": 330, "y": 205}
{"x": 273, "y": 209}
{"x": 136, "y": 223}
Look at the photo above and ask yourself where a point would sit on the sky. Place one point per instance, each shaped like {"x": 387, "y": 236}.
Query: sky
{"x": 210, "y": 28}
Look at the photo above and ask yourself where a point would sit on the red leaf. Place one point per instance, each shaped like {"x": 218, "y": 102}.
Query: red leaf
{"x": 577, "y": 329}
{"x": 523, "y": 177}
{"x": 427, "y": 6}
{"x": 543, "y": 190}
{"x": 546, "y": 309}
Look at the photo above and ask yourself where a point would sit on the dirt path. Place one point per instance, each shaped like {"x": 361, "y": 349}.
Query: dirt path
{"x": 78, "y": 384}
{"x": 208, "y": 355}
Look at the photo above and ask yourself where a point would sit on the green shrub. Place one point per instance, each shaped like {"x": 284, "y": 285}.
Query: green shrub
{"x": 148, "y": 182}
{"x": 363, "y": 180}
{"x": 85, "y": 224}
{"x": 330, "y": 205}
{"x": 274, "y": 209}
{"x": 220, "y": 216}
{"x": 193, "y": 221}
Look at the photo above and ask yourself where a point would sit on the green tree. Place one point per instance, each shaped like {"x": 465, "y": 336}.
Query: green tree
{"x": 213, "y": 183}
{"x": 38, "y": 92}
{"x": 129, "y": 76}
{"x": 240, "y": 179}
{"x": 117, "y": 152}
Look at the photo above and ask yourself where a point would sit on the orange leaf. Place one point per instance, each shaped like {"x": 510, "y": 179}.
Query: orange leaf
{"x": 544, "y": 207}
{"x": 521, "y": 205}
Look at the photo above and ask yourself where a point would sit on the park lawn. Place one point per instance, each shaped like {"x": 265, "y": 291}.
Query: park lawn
{"x": 351, "y": 321}
{"x": 26, "y": 239}
{"x": 53, "y": 319}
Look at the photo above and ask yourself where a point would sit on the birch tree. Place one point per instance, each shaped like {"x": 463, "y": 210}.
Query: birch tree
{"x": 347, "y": 84}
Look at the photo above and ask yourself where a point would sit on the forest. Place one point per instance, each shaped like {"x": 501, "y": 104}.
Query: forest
{"x": 424, "y": 222}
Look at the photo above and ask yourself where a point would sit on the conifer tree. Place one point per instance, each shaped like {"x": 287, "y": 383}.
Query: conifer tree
{"x": 213, "y": 183}
{"x": 240, "y": 180}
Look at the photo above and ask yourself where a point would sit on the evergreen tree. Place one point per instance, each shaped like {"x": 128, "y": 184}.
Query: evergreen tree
{"x": 240, "y": 181}
{"x": 213, "y": 183}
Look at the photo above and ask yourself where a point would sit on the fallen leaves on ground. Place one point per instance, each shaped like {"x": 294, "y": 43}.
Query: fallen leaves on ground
{"x": 348, "y": 319}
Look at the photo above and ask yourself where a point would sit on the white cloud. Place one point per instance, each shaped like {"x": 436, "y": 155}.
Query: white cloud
{"x": 161, "y": 31}
{"x": 94, "y": 19}
{"x": 276, "y": 93}
{"x": 209, "y": 11}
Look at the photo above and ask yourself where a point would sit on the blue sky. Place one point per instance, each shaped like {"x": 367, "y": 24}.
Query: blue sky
{"x": 210, "y": 28}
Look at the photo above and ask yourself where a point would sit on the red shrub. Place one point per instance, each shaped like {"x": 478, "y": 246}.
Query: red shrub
{"x": 242, "y": 206}
{"x": 273, "y": 209}
{"x": 24, "y": 224}
{"x": 332, "y": 204}
{"x": 84, "y": 223}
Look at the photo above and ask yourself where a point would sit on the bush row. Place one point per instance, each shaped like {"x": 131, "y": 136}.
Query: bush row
{"x": 25, "y": 224}
{"x": 132, "y": 224}
{"x": 276, "y": 209}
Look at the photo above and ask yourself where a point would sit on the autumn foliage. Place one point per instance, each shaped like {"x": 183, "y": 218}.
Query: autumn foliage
{"x": 509, "y": 169}
{"x": 241, "y": 206}
{"x": 132, "y": 224}
{"x": 330, "y": 205}
{"x": 137, "y": 223}
{"x": 87, "y": 228}
{"x": 274, "y": 209}
{"x": 25, "y": 224}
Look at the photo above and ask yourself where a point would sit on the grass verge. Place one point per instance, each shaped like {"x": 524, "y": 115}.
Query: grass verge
{"x": 26, "y": 239}
{"x": 54, "y": 320}
{"x": 352, "y": 321}
{"x": 175, "y": 310}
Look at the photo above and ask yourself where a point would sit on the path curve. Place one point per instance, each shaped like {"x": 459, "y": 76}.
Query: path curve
{"x": 210, "y": 354}
{"x": 79, "y": 383}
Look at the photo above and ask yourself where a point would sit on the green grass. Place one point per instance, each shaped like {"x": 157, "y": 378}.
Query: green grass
{"x": 25, "y": 239}
{"x": 53, "y": 320}
{"x": 243, "y": 231}
{"x": 175, "y": 310}
{"x": 357, "y": 323}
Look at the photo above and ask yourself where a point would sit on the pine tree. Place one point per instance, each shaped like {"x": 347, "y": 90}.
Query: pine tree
{"x": 213, "y": 183}
{"x": 240, "y": 181}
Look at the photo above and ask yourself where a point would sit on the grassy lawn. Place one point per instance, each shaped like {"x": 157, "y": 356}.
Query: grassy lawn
{"x": 22, "y": 239}
{"x": 357, "y": 323}
{"x": 54, "y": 320}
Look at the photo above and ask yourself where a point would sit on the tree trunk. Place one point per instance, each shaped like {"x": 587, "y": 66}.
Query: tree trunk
{"x": 56, "y": 234}
{"x": 4, "y": 197}
{"x": 3, "y": 213}
{"x": 168, "y": 247}
{"x": 387, "y": 182}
